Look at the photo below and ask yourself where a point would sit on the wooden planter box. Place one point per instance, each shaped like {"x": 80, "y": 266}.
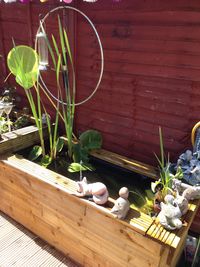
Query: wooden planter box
{"x": 20, "y": 139}
{"x": 43, "y": 201}
{"x": 195, "y": 227}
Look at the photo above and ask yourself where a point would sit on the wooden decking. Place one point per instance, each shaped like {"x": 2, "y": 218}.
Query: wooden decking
{"x": 19, "y": 247}
{"x": 172, "y": 238}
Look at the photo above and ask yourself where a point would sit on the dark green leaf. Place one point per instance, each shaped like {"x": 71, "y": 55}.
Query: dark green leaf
{"x": 76, "y": 152}
{"x": 80, "y": 153}
{"x": 24, "y": 64}
{"x": 46, "y": 160}
{"x": 35, "y": 153}
{"x": 91, "y": 139}
{"x": 77, "y": 167}
{"x": 59, "y": 144}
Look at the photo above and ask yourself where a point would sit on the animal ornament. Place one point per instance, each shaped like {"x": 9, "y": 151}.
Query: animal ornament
{"x": 97, "y": 190}
{"x": 170, "y": 214}
{"x": 122, "y": 205}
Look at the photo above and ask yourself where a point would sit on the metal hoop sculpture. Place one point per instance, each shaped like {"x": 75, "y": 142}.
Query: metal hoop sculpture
{"x": 100, "y": 46}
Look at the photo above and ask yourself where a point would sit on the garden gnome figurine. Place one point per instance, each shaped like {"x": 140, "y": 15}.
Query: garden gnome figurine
{"x": 122, "y": 204}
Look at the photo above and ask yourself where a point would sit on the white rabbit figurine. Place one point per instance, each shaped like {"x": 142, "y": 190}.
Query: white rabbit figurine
{"x": 97, "y": 190}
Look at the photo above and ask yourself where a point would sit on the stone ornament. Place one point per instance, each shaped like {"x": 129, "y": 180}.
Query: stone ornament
{"x": 170, "y": 214}
{"x": 122, "y": 205}
{"x": 98, "y": 191}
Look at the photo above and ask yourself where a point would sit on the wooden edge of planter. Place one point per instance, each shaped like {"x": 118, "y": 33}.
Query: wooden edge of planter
{"x": 44, "y": 202}
{"x": 20, "y": 139}
{"x": 195, "y": 227}
{"x": 138, "y": 221}
{"x": 125, "y": 162}
{"x": 172, "y": 238}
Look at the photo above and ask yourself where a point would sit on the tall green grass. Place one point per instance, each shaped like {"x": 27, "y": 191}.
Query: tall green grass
{"x": 61, "y": 59}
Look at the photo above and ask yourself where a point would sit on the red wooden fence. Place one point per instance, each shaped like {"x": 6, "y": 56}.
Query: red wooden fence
{"x": 152, "y": 69}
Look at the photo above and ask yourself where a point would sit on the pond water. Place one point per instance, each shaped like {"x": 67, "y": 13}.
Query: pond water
{"x": 112, "y": 176}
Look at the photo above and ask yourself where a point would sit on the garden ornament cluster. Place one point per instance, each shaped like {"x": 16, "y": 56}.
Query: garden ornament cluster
{"x": 121, "y": 206}
{"x": 175, "y": 207}
{"x": 189, "y": 192}
{"x": 99, "y": 194}
{"x": 97, "y": 190}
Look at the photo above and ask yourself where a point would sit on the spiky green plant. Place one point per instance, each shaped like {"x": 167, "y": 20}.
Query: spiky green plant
{"x": 61, "y": 66}
{"x": 166, "y": 177}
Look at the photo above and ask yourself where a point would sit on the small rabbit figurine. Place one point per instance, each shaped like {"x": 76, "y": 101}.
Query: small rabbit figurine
{"x": 98, "y": 191}
{"x": 122, "y": 204}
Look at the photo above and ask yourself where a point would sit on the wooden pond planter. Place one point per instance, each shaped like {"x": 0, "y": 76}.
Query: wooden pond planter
{"x": 43, "y": 201}
{"x": 19, "y": 139}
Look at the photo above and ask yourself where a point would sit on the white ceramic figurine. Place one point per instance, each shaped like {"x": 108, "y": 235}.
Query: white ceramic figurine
{"x": 170, "y": 214}
{"x": 97, "y": 190}
{"x": 121, "y": 206}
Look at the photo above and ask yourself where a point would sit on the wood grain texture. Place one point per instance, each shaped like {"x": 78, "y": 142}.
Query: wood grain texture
{"x": 20, "y": 139}
{"x": 195, "y": 227}
{"x": 88, "y": 233}
{"x": 150, "y": 53}
{"x": 152, "y": 69}
{"x": 43, "y": 201}
{"x": 19, "y": 247}
{"x": 125, "y": 163}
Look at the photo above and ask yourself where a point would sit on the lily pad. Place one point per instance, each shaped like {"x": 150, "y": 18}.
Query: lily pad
{"x": 77, "y": 167}
{"x": 24, "y": 65}
{"x": 35, "y": 153}
{"x": 91, "y": 139}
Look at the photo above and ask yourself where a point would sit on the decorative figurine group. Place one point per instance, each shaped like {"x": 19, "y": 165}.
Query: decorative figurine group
{"x": 173, "y": 208}
{"x": 175, "y": 203}
{"x": 99, "y": 194}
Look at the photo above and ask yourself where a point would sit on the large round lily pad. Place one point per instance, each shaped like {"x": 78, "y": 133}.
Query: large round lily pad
{"x": 24, "y": 64}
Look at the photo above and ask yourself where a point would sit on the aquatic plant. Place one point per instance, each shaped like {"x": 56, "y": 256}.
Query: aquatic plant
{"x": 60, "y": 61}
{"x": 23, "y": 62}
{"x": 164, "y": 183}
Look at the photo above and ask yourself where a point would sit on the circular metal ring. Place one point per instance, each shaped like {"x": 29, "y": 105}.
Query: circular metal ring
{"x": 101, "y": 52}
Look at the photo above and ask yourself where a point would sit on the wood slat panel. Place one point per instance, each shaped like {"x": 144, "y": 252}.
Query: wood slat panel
{"x": 172, "y": 238}
{"x": 20, "y": 139}
{"x": 125, "y": 162}
{"x": 23, "y": 248}
{"x": 151, "y": 75}
{"x": 70, "y": 221}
